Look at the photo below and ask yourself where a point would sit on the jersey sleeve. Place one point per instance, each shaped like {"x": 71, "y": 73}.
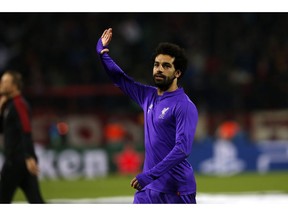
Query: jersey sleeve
{"x": 186, "y": 122}
{"x": 25, "y": 124}
{"x": 2, "y": 115}
{"x": 136, "y": 91}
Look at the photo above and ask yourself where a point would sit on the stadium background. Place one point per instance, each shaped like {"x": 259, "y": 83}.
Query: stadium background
{"x": 89, "y": 135}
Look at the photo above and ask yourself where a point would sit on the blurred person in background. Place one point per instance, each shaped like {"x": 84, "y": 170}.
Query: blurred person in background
{"x": 170, "y": 124}
{"x": 20, "y": 168}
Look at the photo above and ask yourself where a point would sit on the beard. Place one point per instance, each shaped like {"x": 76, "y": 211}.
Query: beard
{"x": 164, "y": 82}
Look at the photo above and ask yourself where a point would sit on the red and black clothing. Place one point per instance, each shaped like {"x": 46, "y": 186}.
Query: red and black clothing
{"x": 18, "y": 146}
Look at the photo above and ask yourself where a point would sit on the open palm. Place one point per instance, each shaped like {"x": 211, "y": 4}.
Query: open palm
{"x": 106, "y": 38}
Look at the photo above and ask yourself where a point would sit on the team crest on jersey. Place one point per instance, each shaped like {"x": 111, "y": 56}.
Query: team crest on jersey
{"x": 150, "y": 108}
{"x": 163, "y": 112}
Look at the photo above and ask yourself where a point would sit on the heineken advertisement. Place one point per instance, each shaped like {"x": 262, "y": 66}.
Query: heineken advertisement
{"x": 70, "y": 163}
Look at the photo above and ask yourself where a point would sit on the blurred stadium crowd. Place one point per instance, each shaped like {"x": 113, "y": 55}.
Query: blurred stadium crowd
{"x": 237, "y": 61}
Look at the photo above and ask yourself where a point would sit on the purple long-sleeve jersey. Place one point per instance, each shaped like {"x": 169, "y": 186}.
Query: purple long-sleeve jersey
{"x": 170, "y": 125}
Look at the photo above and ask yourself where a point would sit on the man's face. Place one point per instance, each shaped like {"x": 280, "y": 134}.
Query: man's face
{"x": 164, "y": 71}
{"x": 7, "y": 86}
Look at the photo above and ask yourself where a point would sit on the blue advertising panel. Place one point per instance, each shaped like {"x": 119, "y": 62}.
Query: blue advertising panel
{"x": 226, "y": 157}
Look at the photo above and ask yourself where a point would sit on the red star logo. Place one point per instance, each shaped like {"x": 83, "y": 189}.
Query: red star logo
{"x": 128, "y": 161}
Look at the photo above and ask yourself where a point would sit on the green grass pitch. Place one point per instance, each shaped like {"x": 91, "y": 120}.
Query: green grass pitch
{"x": 116, "y": 185}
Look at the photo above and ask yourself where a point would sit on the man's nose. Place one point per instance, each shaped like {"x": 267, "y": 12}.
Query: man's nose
{"x": 160, "y": 69}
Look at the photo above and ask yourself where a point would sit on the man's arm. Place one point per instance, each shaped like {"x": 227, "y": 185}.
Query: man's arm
{"x": 29, "y": 153}
{"x": 186, "y": 122}
{"x": 3, "y": 100}
{"x": 129, "y": 86}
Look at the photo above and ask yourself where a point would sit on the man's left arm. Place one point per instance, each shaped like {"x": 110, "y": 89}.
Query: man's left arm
{"x": 3, "y": 100}
{"x": 186, "y": 122}
{"x": 25, "y": 123}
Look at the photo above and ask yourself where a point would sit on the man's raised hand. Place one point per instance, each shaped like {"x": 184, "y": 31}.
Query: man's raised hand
{"x": 102, "y": 46}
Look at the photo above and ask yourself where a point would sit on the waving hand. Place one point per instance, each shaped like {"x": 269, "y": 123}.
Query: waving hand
{"x": 102, "y": 45}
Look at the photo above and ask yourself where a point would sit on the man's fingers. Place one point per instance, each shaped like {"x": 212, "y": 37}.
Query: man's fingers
{"x": 34, "y": 169}
{"x": 32, "y": 166}
{"x": 104, "y": 33}
{"x": 106, "y": 37}
{"x": 135, "y": 184}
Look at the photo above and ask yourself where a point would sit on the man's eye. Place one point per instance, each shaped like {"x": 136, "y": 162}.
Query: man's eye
{"x": 166, "y": 66}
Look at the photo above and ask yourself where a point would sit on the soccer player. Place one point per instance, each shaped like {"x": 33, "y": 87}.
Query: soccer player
{"x": 170, "y": 123}
{"x": 20, "y": 167}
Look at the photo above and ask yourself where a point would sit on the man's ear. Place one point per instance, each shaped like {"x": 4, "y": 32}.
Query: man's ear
{"x": 178, "y": 73}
